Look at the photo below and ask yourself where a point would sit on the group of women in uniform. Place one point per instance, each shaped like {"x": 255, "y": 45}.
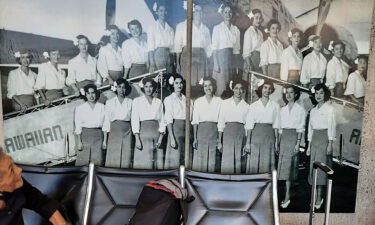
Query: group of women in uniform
{"x": 251, "y": 138}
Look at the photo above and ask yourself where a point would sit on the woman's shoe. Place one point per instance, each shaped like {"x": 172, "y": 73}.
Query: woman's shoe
{"x": 285, "y": 204}
{"x": 317, "y": 206}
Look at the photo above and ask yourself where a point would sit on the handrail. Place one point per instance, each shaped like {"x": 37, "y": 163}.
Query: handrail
{"x": 303, "y": 88}
{"x": 71, "y": 97}
{"x": 329, "y": 172}
{"x": 275, "y": 201}
{"x": 89, "y": 188}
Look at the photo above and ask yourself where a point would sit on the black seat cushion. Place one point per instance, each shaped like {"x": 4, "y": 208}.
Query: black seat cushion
{"x": 116, "y": 192}
{"x": 246, "y": 199}
{"x": 64, "y": 184}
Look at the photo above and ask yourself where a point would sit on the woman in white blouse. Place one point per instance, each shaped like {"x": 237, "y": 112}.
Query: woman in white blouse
{"x": 88, "y": 121}
{"x": 82, "y": 68}
{"x": 355, "y": 87}
{"x": 292, "y": 120}
{"x": 321, "y": 134}
{"x": 21, "y": 82}
{"x": 110, "y": 64}
{"x": 201, "y": 47}
{"x": 225, "y": 44}
{"x": 291, "y": 58}
{"x": 232, "y": 118}
{"x": 253, "y": 39}
{"x": 271, "y": 50}
{"x": 174, "y": 116}
{"x": 117, "y": 122}
{"x": 51, "y": 79}
{"x": 262, "y": 134}
{"x": 134, "y": 51}
{"x": 160, "y": 39}
{"x": 337, "y": 70}
{"x": 148, "y": 127}
{"x": 205, "y": 118}
{"x": 314, "y": 64}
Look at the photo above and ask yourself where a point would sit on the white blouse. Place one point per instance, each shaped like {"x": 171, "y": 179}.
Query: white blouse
{"x": 356, "y": 85}
{"x": 270, "y": 52}
{"x": 49, "y": 78}
{"x": 323, "y": 118}
{"x": 88, "y": 117}
{"x": 313, "y": 66}
{"x": 230, "y": 112}
{"x": 115, "y": 110}
{"x": 175, "y": 108}
{"x": 19, "y": 83}
{"x": 201, "y": 38}
{"x": 134, "y": 52}
{"x": 290, "y": 60}
{"x": 337, "y": 71}
{"x": 109, "y": 59}
{"x": 258, "y": 113}
{"x": 292, "y": 118}
{"x": 205, "y": 111}
{"x": 80, "y": 70}
{"x": 225, "y": 37}
{"x": 160, "y": 37}
{"x": 143, "y": 110}
{"x": 252, "y": 41}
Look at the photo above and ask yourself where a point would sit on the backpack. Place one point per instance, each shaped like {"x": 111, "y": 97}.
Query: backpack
{"x": 161, "y": 202}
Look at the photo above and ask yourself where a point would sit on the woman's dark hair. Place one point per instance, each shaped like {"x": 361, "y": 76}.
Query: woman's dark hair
{"x": 153, "y": 83}
{"x": 128, "y": 87}
{"x": 363, "y": 57}
{"x": 136, "y": 23}
{"x": 113, "y": 27}
{"x": 338, "y": 42}
{"x": 296, "y": 90}
{"x": 296, "y": 30}
{"x": 240, "y": 81}
{"x": 175, "y": 76}
{"x": 213, "y": 82}
{"x": 255, "y": 11}
{"x": 31, "y": 57}
{"x": 327, "y": 92}
{"x": 273, "y": 21}
{"x": 260, "y": 88}
{"x": 81, "y": 36}
{"x": 86, "y": 89}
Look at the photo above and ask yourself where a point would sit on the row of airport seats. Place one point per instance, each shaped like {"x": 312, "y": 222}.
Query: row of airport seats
{"x": 96, "y": 195}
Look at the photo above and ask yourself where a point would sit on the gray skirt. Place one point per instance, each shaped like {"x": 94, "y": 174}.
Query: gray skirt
{"x": 339, "y": 90}
{"x": 318, "y": 152}
{"x": 28, "y": 100}
{"x": 225, "y": 58}
{"x": 149, "y": 134}
{"x": 198, "y": 64}
{"x": 92, "y": 140}
{"x": 205, "y": 154}
{"x": 273, "y": 70}
{"x": 233, "y": 142}
{"x": 162, "y": 58}
{"x": 255, "y": 60}
{"x": 287, "y": 168}
{"x": 119, "y": 147}
{"x": 136, "y": 70}
{"x": 262, "y": 154}
{"x": 174, "y": 157}
{"x": 82, "y": 84}
{"x": 54, "y": 94}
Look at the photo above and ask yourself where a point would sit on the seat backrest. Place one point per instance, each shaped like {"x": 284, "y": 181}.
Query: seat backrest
{"x": 229, "y": 199}
{"x": 64, "y": 184}
{"x": 116, "y": 191}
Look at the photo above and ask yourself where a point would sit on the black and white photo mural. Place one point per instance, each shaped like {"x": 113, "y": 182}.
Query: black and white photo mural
{"x": 274, "y": 84}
